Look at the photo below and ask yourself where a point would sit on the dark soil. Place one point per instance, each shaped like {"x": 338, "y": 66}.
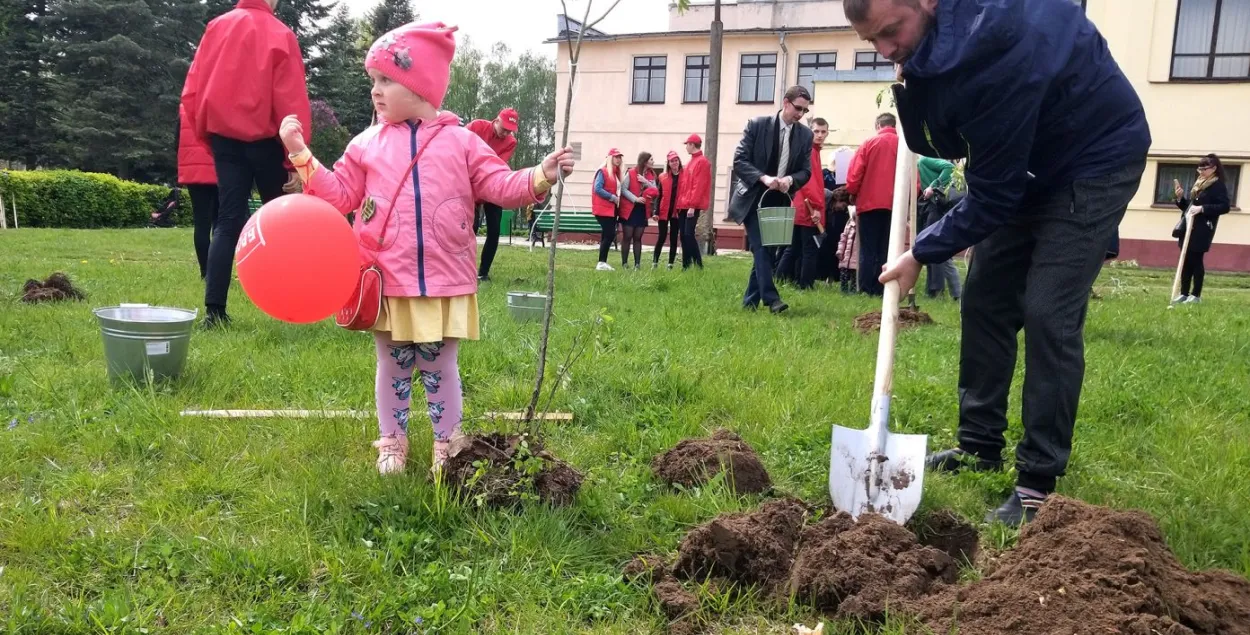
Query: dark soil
{"x": 907, "y": 318}
{"x": 55, "y": 289}
{"x": 674, "y": 599}
{"x": 512, "y": 468}
{"x": 858, "y": 569}
{"x": 750, "y": 548}
{"x": 1083, "y": 569}
{"x": 646, "y": 568}
{"x": 695, "y": 461}
{"x": 948, "y": 532}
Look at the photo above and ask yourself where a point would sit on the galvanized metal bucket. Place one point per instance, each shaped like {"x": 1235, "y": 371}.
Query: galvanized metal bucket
{"x": 776, "y": 221}
{"x": 139, "y": 339}
{"x": 526, "y": 307}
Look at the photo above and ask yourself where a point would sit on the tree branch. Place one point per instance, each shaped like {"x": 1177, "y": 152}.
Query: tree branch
{"x": 605, "y": 13}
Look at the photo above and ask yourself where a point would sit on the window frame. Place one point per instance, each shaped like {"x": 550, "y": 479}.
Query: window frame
{"x": 1233, "y": 183}
{"x": 706, "y": 69}
{"x": 880, "y": 63}
{"x": 1210, "y": 55}
{"x": 772, "y": 94}
{"x": 650, "y": 68}
{"x": 798, "y": 76}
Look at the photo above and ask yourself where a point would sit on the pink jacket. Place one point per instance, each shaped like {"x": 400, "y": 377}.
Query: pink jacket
{"x": 430, "y": 249}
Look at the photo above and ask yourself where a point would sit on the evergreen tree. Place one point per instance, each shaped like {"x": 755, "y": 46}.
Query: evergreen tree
{"x": 389, "y": 15}
{"x": 25, "y": 126}
{"x": 337, "y": 75}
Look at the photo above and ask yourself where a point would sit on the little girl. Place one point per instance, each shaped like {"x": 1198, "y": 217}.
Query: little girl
{"x": 417, "y": 221}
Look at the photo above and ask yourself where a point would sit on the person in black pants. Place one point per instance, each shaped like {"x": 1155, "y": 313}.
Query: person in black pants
{"x": 605, "y": 203}
{"x": 240, "y": 165}
{"x": 1209, "y": 200}
{"x": 775, "y": 155}
{"x": 204, "y": 214}
{"x": 666, "y": 210}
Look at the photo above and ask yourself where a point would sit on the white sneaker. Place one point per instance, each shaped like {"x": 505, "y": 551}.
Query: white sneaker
{"x": 603, "y": 266}
{"x": 392, "y": 454}
{"x": 1193, "y": 299}
{"x": 1180, "y": 299}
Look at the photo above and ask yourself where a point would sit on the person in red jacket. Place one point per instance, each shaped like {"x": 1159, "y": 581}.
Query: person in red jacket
{"x": 666, "y": 211}
{"x": 640, "y": 192}
{"x": 248, "y": 73}
{"x": 197, "y": 173}
{"x": 694, "y": 196}
{"x": 871, "y": 182}
{"x": 500, "y": 135}
{"x": 809, "y": 211}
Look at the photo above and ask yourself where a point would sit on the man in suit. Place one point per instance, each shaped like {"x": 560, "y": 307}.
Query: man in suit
{"x": 774, "y": 155}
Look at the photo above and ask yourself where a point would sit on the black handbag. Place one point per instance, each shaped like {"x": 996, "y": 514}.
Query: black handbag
{"x": 1179, "y": 230}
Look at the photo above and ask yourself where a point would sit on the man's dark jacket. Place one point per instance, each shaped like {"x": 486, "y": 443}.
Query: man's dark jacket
{"x": 757, "y": 154}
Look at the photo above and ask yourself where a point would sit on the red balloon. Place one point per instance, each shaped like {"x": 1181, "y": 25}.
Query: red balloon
{"x": 297, "y": 259}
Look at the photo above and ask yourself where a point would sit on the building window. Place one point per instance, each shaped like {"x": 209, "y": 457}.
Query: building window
{"x": 809, "y": 63}
{"x": 757, "y": 79}
{"x": 695, "y": 91}
{"x": 1212, "y": 40}
{"x": 1186, "y": 173}
{"x": 649, "y": 75}
{"x": 872, "y": 60}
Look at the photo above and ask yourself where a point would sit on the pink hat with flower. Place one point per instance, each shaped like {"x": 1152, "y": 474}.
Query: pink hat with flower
{"x": 418, "y": 57}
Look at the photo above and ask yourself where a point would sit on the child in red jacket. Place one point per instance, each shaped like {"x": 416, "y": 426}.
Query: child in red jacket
{"x": 247, "y": 74}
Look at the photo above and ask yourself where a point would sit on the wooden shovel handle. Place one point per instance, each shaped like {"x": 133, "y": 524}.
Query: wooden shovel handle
{"x": 904, "y": 182}
{"x": 1180, "y": 264}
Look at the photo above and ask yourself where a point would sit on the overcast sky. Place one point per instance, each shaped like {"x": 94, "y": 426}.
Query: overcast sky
{"x": 529, "y": 22}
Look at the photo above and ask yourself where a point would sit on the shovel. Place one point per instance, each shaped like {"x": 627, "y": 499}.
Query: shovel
{"x": 1180, "y": 264}
{"x": 913, "y": 221}
{"x": 820, "y": 236}
{"x": 874, "y": 470}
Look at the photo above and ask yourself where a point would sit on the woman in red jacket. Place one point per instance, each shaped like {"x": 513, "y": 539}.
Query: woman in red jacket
{"x": 666, "y": 212}
{"x": 197, "y": 173}
{"x": 640, "y": 191}
{"x": 605, "y": 202}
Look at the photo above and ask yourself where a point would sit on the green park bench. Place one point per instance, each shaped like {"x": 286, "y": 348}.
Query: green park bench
{"x": 575, "y": 221}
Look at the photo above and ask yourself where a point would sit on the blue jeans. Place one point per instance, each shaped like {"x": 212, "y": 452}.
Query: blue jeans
{"x": 760, "y": 287}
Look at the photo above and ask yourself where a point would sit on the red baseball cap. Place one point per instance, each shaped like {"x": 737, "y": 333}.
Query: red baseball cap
{"x": 672, "y": 154}
{"x": 694, "y": 138}
{"x": 615, "y": 153}
{"x": 509, "y": 119}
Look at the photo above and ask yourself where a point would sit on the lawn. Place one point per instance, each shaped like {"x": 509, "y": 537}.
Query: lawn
{"x": 117, "y": 515}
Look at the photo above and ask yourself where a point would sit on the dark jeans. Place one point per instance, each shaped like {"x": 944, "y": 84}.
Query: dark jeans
{"x": 689, "y": 244}
{"x": 204, "y": 214}
{"x": 1035, "y": 273}
{"x": 240, "y": 165}
{"x": 760, "y": 287}
{"x": 671, "y": 230}
{"x": 608, "y": 225}
{"x": 874, "y": 246}
{"x": 1192, "y": 272}
{"x": 802, "y": 260}
{"x": 493, "y": 214}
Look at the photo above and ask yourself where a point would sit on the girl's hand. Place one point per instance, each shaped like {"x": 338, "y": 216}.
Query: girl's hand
{"x": 292, "y": 134}
{"x": 558, "y": 163}
{"x": 1195, "y": 210}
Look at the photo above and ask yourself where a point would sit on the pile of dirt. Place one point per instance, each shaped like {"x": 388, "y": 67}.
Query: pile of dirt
{"x": 750, "y": 548}
{"x": 511, "y": 469}
{"x": 56, "y": 288}
{"x": 949, "y": 533}
{"x": 695, "y": 461}
{"x": 856, "y": 569}
{"x": 1083, "y": 569}
{"x": 677, "y": 603}
{"x": 907, "y": 318}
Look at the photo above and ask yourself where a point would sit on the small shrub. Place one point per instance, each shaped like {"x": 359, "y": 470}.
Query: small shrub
{"x": 81, "y": 200}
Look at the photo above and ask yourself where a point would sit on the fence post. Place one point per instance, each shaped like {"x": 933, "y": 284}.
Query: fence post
{"x": 4, "y": 224}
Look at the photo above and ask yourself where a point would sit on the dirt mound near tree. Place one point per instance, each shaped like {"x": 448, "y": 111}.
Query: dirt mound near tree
{"x": 1083, "y": 569}
{"x": 55, "y": 289}
{"x": 907, "y": 318}
{"x": 858, "y": 569}
{"x": 947, "y": 532}
{"x": 695, "y": 461}
{"x": 502, "y": 470}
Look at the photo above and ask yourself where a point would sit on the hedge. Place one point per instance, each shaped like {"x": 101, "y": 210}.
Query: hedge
{"x": 72, "y": 199}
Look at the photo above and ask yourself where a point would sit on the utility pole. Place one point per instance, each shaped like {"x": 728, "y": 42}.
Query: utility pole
{"x": 713, "y": 118}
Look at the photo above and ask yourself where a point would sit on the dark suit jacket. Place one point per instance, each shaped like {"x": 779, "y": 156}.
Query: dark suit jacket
{"x": 757, "y": 155}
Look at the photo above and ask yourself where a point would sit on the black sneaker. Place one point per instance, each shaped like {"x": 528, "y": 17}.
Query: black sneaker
{"x": 954, "y": 460}
{"x": 483, "y": 277}
{"x": 1019, "y": 509}
{"x": 216, "y": 321}
{"x": 778, "y": 307}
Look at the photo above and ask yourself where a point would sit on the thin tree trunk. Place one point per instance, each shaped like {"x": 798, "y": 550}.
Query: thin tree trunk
{"x": 713, "y": 118}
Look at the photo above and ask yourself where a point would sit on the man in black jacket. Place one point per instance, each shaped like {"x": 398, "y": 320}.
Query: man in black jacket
{"x": 1056, "y": 140}
{"x": 774, "y": 155}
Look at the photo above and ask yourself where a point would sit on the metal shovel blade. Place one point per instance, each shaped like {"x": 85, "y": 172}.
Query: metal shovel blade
{"x": 820, "y": 240}
{"x": 882, "y": 476}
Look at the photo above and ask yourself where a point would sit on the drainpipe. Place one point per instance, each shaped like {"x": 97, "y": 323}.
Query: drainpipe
{"x": 785, "y": 65}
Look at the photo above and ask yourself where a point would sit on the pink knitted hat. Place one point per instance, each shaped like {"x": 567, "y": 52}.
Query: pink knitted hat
{"x": 418, "y": 57}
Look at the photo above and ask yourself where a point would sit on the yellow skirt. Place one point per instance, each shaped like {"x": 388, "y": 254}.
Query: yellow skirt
{"x": 429, "y": 319}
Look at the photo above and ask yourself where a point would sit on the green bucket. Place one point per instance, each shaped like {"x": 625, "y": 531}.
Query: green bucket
{"x": 776, "y": 223}
{"x": 139, "y": 338}
{"x": 526, "y": 307}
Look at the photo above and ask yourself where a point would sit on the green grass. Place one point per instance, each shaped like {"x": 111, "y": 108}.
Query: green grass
{"x": 117, "y": 514}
